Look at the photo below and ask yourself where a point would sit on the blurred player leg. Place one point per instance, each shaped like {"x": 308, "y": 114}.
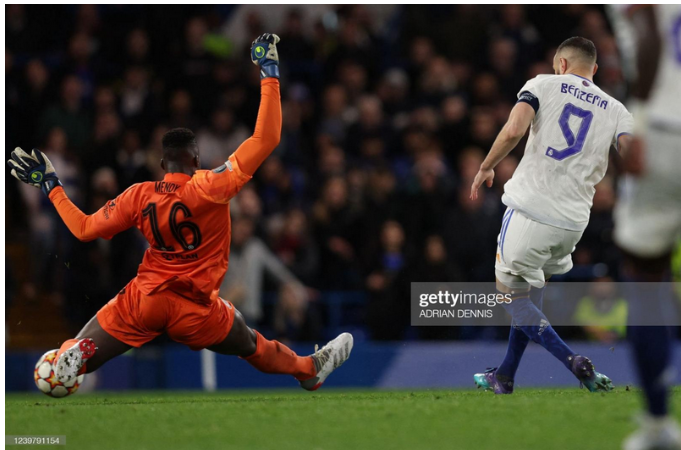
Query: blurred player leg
{"x": 652, "y": 349}
{"x": 648, "y": 222}
{"x": 651, "y": 345}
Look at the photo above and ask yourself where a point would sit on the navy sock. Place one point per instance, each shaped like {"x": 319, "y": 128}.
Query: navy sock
{"x": 531, "y": 321}
{"x": 651, "y": 346}
{"x": 517, "y": 343}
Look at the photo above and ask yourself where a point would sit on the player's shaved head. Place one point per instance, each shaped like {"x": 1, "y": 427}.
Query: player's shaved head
{"x": 576, "y": 55}
{"x": 578, "y": 48}
{"x": 179, "y": 150}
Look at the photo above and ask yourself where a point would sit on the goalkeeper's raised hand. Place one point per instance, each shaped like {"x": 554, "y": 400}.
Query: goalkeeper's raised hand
{"x": 264, "y": 54}
{"x": 34, "y": 169}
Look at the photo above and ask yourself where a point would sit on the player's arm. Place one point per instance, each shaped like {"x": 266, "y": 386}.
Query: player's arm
{"x": 649, "y": 50}
{"x": 223, "y": 183}
{"x": 513, "y": 131}
{"x": 37, "y": 170}
{"x": 631, "y": 151}
{"x": 649, "y": 45}
{"x": 114, "y": 217}
{"x": 251, "y": 154}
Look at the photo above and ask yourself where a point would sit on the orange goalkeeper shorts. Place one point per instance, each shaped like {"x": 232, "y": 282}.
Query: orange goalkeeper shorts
{"x": 135, "y": 318}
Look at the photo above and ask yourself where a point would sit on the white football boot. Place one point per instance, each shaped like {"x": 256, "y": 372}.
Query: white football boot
{"x": 327, "y": 359}
{"x": 69, "y": 363}
{"x": 655, "y": 433}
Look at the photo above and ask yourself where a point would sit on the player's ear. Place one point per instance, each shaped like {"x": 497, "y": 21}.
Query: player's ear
{"x": 197, "y": 161}
{"x": 595, "y": 69}
{"x": 563, "y": 65}
{"x": 163, "y": 164}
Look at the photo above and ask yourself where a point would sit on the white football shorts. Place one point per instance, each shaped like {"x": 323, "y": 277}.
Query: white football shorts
{"x": 648, "y": 211}
{"x": 532, "y": 250}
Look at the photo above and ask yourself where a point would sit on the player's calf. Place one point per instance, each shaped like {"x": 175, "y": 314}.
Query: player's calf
{"x": 71, "y": 360}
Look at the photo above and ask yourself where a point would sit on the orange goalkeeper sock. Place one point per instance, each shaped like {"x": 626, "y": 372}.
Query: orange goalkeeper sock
{"x": 275, "y": 357}
{"x": 67, "y": 345}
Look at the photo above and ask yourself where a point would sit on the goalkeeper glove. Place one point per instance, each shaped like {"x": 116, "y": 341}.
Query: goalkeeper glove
{"x": 264, "y": 54}
{"x": 34, "y": 169}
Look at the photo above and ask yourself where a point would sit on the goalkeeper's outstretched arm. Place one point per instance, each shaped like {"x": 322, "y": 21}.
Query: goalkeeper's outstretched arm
{"x": 35, "y": 169}
{"x": 251, "y": 154}
{"x": 254, "y": 150}
{"x": 105, "y": 223}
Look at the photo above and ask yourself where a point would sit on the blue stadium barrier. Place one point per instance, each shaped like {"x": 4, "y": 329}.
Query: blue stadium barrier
{"x": 413, "y": 365}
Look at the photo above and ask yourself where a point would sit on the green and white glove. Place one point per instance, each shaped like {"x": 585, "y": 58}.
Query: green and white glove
{"x": 34, "y": 169}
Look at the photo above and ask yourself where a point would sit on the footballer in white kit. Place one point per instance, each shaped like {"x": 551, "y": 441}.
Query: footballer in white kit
{"x": 550, "y": 195}
{"x": 648, "y": 212}
{"x": 573, "y": 124}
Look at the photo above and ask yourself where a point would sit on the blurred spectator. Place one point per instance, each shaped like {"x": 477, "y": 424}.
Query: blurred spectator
{"x": 478, "y": 220}
{"x": 388, "y": 313}
{"x": 434, "y": 267}
{"x": 131, "y": 160}
{"x": 220, "y": 139}
{"x": 597, "y": 244}
{"x": 36, "y": 94}
{"x": 295, "y": 247}
{"x": 337, "y": 233}
{"x": 336, "y": 114}
{"x": 68, "y": 114}
{"x": 602, "y": 306}
{"x": 249, "y": 261}
{"x": 181, "y": 113}
{"x": 138, "y": 47}
{"x": 137, "y": 101}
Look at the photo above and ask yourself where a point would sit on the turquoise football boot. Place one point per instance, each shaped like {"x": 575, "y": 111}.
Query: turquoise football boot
{"x": 584, "y": 370}
{"x": 488, "y": 381}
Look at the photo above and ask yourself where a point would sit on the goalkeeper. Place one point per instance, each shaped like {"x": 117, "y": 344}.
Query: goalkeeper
{"x": 186, "y": 220}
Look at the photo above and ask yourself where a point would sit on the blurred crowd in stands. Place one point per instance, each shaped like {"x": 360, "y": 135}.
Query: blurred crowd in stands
{"x": 388, "y": 112}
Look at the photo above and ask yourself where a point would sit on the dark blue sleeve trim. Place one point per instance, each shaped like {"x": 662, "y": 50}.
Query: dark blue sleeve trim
{"x": 529, "y": 98}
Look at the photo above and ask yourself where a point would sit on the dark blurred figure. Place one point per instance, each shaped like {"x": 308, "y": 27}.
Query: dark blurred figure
{"x": 336, "y": 229}
{"x": 387, "y": 311}
{"x": 435, "y": 267}
{"x": 295, "y": 247}
{"x": 473, "y": 226}
{"x": 223, "y": 135}
{"x": 69, "y": 114}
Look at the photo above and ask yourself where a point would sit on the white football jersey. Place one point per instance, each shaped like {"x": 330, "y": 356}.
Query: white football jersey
{"x": 664, "y": 106}
{"x": 664, "y": 103}
{"x": 567, "y": 150}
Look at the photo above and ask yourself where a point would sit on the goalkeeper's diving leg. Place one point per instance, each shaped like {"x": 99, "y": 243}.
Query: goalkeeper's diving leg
{"x": 276, "y": 358}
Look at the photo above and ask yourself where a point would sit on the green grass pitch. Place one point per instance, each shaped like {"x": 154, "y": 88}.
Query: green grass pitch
{"x": 330, "y": 419}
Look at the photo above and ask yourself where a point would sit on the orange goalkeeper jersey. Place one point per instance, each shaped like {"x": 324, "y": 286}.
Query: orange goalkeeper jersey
{"x": 185, "y": 219}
